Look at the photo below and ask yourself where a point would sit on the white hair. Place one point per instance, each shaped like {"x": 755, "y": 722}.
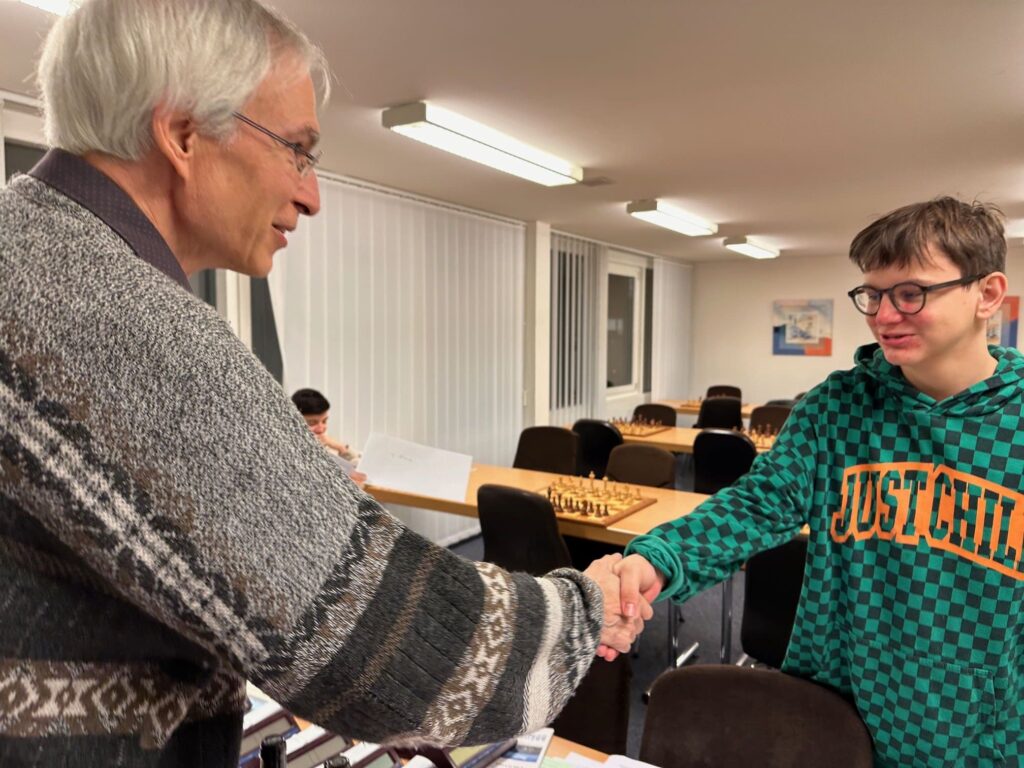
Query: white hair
{"x": 106, "y": 66}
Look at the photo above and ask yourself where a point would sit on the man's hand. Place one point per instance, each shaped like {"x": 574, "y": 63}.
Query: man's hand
{"x": 619, "y": 631}
{"x": 640, "y": 584}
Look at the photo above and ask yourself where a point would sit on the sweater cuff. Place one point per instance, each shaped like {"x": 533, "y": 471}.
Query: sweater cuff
{"x": 664, "y": 558}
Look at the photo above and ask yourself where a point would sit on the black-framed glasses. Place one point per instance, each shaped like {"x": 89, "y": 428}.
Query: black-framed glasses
{"x": 304, "y": 160}
{"x": 907, "y": 298}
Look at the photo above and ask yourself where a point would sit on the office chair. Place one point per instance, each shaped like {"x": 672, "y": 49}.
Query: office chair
{"x": 657, "y": 413}
{"x": 720, "y": 458}
{"x": 714, "y": 716}
{"x": 782, "y": 401}
{"x": 597, "y": 439}
{"x": 720, "y": 413}
{"x": 724, "y": 390}
{"x": 773, "y": 580}
{"x": 520, "y": 531}
{"x": 769, "y": 416}
{"x": 521, "y": 534}
{"x": 642, "y": 465}
{"x": 547, "y": 449}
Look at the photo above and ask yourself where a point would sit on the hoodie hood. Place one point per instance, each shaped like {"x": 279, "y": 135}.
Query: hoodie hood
{"x": 988, "y": 395}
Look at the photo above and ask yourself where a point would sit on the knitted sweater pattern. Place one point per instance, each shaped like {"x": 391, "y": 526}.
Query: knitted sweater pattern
{"x": 912, "y": 593}
{"x": 170, "y": 528}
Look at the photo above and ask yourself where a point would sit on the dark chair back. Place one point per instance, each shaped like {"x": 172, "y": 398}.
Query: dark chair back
{"x": 597, "y": 715}
{"x": 547, "y": 449}
{"x": 781, "y": 401}
{"x": 720, "y": 458}
{"x": 773, "y": 581}
{"x": 520, "y": 531}
{"x": 642, "y": 465}
{"x": 657, "y": 413}
{"x": 722, "y": 716}
{"x": 769, "y": 417}
{"x": 724, "y": 390}
{"x": 597, "y": 439}
{"x": 720, "y": 413}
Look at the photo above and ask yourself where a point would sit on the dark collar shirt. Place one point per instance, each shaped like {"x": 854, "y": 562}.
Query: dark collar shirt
{"x": 92, "y": 189}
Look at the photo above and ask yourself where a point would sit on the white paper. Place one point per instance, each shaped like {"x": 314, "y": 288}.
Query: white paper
{"x": 621, "y": 761}
{"x": 579, "y": 761}
{"x": 401, "y": 465}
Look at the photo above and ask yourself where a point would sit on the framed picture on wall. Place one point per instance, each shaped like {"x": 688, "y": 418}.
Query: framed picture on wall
{"x": 802, "y": 327}
{"x": 1002, "y": 327}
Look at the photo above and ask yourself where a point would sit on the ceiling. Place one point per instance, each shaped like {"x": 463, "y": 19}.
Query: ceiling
{"x": 795, "y": 122}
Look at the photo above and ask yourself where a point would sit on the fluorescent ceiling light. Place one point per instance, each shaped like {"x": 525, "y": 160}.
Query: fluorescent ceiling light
{"x": 461, "y": 136}
{"x": 747, "y": 248}
{"x": 656, "y": 212}
{"x": 59, "y": 7}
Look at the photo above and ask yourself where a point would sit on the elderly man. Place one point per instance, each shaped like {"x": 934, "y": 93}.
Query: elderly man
{"x": 153, "y": 555}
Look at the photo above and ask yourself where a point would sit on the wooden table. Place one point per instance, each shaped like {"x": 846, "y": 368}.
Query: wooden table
{"x": 692, "y": 407}
{"x": 670, "y": 504}
{"x": 674, "y": 439}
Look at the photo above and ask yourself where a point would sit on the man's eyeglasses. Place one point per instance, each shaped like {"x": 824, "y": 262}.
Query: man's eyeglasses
{"x": 907, "y": 298}
{"x": 304, "y": 161}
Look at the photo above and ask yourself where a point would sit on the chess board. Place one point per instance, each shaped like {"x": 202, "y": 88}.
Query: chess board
{"x": 592, "y": 501}
{"x": 629, "y": 429}
{"x": 762, "y": 440}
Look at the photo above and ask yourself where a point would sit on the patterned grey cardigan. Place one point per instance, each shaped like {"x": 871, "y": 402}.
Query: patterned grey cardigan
{"x": 168, "y": 527}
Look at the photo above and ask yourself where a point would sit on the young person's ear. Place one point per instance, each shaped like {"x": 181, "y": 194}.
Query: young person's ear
{"x": 175, "y": 137}
{"x": 993, "y": 291}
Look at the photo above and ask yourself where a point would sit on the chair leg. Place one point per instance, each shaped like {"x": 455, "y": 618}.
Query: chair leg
{"x": 675, "y": 658}
{"x": 725, "y": 652}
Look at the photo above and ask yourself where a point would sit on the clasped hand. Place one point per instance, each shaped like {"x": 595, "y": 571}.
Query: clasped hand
{"x": 629, "y": 586}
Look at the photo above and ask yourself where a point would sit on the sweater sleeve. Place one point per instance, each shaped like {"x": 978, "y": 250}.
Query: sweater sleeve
{"x": 764, "y": 508}
{"x": 164, "y": 456}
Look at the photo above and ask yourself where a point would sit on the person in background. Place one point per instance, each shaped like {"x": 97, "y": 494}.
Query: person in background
{"x": 168, "y": 529}
{"x": 315, "y": 409}
{"x": 909, "y": 471}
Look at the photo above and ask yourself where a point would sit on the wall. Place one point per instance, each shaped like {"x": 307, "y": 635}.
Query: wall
{"x": 732, "y": 306}
{"x": 732, "y": 322}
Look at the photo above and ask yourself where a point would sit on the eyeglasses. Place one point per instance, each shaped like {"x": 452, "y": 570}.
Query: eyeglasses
{"x": 304, "y": 161}
{"x": 907, "y": 298}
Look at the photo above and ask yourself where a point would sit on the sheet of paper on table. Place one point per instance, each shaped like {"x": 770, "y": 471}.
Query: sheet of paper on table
{"x": 390, "y": 462}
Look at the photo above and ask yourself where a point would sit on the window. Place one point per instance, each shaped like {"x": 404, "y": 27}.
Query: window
{"x": 625, "y": 342}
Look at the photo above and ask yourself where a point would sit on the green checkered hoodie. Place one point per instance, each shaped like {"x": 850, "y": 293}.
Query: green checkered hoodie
{"x": 914, "y": 581}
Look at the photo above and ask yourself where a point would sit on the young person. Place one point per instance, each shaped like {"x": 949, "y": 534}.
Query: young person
{"x": 909, "y": 471}
{"x": 315, "y": 410}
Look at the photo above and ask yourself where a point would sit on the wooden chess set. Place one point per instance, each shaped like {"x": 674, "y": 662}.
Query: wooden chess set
{"x": 592, "y": 501}
{"x": 638, "y": 427}
{"x": 762, "y": 437}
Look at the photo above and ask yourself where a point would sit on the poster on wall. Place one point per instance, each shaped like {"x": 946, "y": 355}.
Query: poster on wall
{"x": 802, "y": 327}
{"x": 1002, "y": 326}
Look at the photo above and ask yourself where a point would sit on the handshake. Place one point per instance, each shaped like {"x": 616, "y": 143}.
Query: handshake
{"x": 629, "y": 586}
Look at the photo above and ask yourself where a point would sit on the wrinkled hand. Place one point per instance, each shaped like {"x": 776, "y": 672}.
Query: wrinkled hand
{"x": 619, "y": 631}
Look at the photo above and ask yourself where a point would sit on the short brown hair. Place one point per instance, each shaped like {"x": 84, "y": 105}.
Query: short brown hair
{"x": 970, "y": 234}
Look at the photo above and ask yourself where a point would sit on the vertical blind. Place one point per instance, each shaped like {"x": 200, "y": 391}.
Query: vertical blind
{"x": 574, "y": 275}
{"x": 408, "y": 315}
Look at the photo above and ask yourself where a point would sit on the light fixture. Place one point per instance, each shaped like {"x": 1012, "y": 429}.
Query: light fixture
{"x": 747, "y": 248}
{"x": 466, "y": 138}
{"x": 656, "y": 212}
{"x": 58, "y": 7}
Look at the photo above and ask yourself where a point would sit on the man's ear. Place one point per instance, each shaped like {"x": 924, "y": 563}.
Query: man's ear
{"x": 993, "y": 290}
{"x": 175, "y": 137}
